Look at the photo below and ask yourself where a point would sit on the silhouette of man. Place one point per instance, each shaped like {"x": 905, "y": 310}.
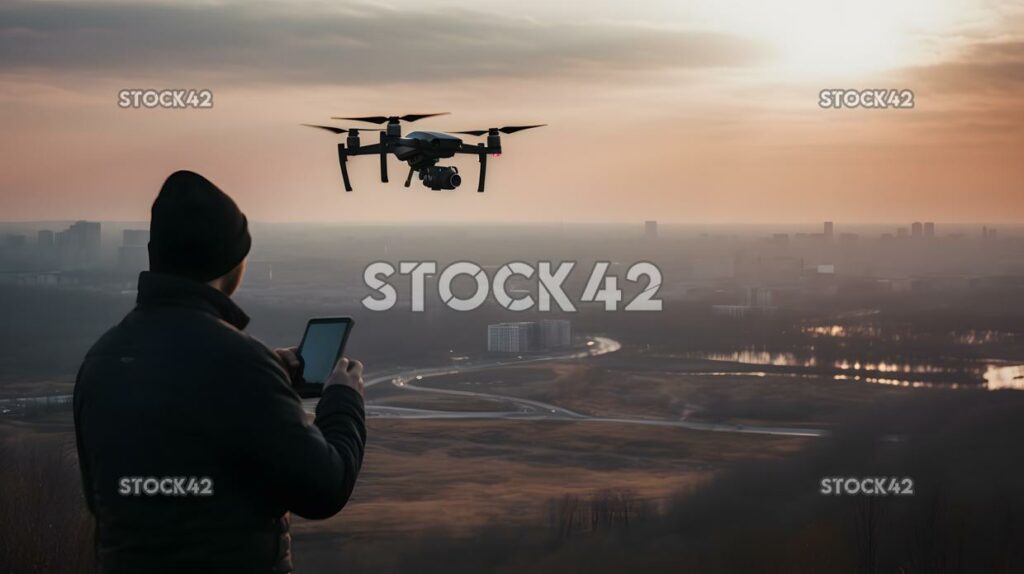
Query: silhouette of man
{"x": 192, "y": 443}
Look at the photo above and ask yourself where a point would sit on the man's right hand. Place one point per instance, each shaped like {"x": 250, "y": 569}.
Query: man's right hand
{"x": 348, "y": 373}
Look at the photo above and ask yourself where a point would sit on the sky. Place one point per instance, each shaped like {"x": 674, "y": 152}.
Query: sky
{"x": 693, "y": 112}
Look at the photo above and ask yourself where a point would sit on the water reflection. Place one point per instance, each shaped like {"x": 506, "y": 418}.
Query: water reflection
{"x": 897, "y": 333}
{"x": 1004, "y": 376}
{"x": 990, "y": 375}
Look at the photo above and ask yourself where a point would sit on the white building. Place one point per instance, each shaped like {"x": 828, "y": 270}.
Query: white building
{"x": 511, "y": 337}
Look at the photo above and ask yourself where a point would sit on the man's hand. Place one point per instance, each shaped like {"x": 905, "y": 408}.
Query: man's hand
{"x": 292, "y": 364}
{"x": 348, "y": 373}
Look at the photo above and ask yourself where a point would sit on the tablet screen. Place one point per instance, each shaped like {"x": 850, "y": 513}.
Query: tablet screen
{"x": 321, "y": 347}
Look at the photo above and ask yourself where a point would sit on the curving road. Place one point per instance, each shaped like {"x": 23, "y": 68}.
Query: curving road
{"x": 528, "y": 409}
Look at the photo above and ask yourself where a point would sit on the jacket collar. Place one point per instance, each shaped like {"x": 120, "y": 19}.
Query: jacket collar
{"x": 171, "y": 290}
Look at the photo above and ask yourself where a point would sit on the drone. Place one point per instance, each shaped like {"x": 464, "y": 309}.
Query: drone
{"x": 420, "y": 149}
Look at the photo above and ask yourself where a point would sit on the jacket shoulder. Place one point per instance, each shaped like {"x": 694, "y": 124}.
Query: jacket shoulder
{"x": 182, "y": 332}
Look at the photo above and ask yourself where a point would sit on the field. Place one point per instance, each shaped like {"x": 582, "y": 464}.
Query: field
{"x": 632, "y": 384}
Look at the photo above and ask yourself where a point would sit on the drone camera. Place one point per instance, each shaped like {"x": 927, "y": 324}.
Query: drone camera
{"x": 439, "y": 177}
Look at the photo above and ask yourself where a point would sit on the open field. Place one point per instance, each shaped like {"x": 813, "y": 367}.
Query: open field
{"x": 459, "y": 475}
{"x": 625, "y": 384}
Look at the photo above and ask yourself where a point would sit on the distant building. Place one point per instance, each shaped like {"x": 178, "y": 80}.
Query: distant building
{"x": 848, "y": 239}
{"x": 555, "y": 333}
{"x": 44, "y": 238}
{"x": 135, "y": 237}
{"x": 651, "y": 229}
{"x": 734, "y": 311}
{"x": 916, "y": 230}
{"x": 829, "y": 230}
{"x": 740, "y": 311}
{"x": 511, "y": 337}
{"x": 133, "y": 254}
{"x": 753, "y": 301}
{"x": 901, "y": 232}
{"x": 528, "y": 336}
{"x": 757, "y": 297}
{"x": 79, "y": 243}
{"x": 929, "y": 229}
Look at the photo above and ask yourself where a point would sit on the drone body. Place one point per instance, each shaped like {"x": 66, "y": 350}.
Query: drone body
{"x": 420, "y": 149}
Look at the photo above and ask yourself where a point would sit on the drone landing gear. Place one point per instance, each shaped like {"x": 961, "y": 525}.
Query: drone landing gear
{"x": 408, "y": 180}
{"x": 343, "y": 161}
{"x": 483, "y": 173}
{"x": 383, "y": 160}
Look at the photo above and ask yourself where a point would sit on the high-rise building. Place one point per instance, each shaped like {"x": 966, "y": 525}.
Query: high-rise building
{"x": 80, "y": 243}
{"x": 916, "y": 230}
{"x": 929, "y": 229}
{"x": 511, "y": 337}
{"x": 527, "y": 336}
{"x": 555, "y": 333}
{"x": 829, "y": 230}
{"x": 651, "y": 229}
{"x": 901, "y": 232}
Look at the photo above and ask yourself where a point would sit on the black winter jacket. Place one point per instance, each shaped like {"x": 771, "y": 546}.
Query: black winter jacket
{"x": 192, "y": 444}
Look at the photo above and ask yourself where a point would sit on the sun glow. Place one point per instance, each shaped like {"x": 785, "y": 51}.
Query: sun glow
{"x": 838, "y": 38}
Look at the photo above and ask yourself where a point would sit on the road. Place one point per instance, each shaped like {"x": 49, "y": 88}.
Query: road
{"x": 528, "y": 409}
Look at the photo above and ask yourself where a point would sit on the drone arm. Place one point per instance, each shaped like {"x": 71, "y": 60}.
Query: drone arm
{"x": 372, "y": 149}
{"x": 478, "y": 149}
{"x": 343, "y": 160}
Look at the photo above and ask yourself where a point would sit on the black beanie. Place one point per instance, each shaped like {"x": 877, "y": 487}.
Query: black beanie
{"x": 196, "y": 231}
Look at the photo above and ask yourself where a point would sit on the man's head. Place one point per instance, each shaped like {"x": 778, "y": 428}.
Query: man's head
{"x": 198, "y": 232}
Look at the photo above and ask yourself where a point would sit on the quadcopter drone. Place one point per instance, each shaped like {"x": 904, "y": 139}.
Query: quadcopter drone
{"x": 421, "y": 149}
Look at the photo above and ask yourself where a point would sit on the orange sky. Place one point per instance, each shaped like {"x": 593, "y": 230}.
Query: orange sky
{"x": 704, "y": 113}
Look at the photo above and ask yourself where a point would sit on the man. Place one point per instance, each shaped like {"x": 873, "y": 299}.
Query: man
{"x": 192, "y": 443}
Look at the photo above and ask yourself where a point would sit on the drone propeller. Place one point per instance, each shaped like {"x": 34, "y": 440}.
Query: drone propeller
{"x": 392, "y": 119}
{"x": 504, "y": 130}
{"x": 335, "y": 130}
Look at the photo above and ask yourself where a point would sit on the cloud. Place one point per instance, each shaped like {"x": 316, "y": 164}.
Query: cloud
{"x": 352, "y": 44}
{"x": 985, "y": 67}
